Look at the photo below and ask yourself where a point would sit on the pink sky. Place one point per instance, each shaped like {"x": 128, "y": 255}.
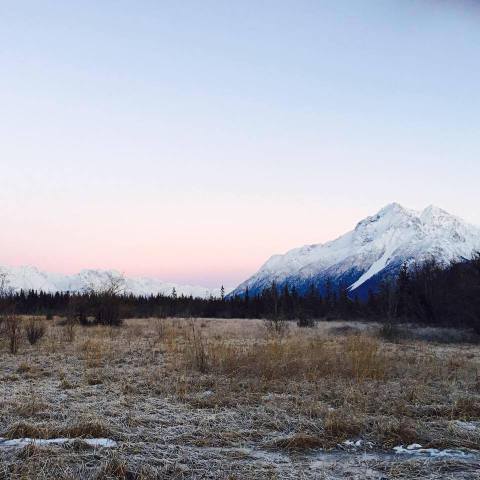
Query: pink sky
{"x": 177, "y": 243}
{"x": 191, "y": 141}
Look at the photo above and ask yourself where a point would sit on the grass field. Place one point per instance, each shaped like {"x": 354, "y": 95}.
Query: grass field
{"x": 232, "y": 399}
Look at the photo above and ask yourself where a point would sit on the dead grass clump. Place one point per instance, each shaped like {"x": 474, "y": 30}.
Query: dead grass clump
{"x": 78, "y": 445}
{"x": 339, "y": 426}
{"x": 159, "y": 328}
{"x": 466, "y": 408}
{"x": 33, "y": 406}
{"x": 364, "y": 357}
{"x": 29, "y": 451}
{"x": 276, "y": 326}
{"x": 27, "y": 430}
{"x": 92, "y": 428}
{"x": 93, "y": 350}
{"x": 34, "y": 451}
{"x": 69, "y": 330}
{"x": 298, "y": 442}
{"x": 12, "y": 327}
{"x": 196, "y": 349}
{"x": 93, "y": 377}
{"x": 65, "y": 384}
{"x": 83, "y": 429}
{"x": 114, "y": 468}
{"x": 34, "y": 330}
{"x": 134, "y": 331}
{"x": 391, "y": 432}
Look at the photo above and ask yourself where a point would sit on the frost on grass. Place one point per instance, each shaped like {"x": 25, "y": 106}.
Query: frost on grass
{"x": 311, "y": 404}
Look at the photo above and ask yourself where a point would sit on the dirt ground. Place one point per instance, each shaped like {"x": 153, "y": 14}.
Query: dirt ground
{"x": 233, "y": 399}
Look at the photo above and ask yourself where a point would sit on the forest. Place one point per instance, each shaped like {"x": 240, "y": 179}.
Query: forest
{"x": 429, "y": 293}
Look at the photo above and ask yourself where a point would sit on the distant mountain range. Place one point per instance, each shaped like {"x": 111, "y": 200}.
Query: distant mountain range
{"x": 31, "y": 278}
{"x": 375, "y": 249}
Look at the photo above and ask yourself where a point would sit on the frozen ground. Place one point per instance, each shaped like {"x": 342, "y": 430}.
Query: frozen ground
{"x": 129, "y": 403}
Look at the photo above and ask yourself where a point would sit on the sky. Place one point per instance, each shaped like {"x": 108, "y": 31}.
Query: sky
{"x": 191, "y": 140}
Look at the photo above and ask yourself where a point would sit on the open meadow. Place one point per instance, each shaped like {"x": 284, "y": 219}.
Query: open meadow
{"x": 233, "y": 399}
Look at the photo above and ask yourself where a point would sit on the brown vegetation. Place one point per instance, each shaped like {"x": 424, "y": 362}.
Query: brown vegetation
{"x": 34, "y": 330}
{"x": 187, "y": 397}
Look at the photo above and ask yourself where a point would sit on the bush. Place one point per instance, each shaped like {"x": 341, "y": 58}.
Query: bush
{"x": 12, "y": 326}
{"x": 108, "y": 311}
{"x": 305, "y": 322}
{"x": 34, "y": 330}
{"x": 276, "y": 326}
{"x": 391, "y": 332}
{"x": 69, "y": 330}
{"x": 196, "y": 349}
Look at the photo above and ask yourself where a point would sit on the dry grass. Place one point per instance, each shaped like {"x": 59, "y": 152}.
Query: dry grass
{"x": 231, "y": 399}
{"x": 356, "y": 357}
{"x": 91, "y": 428}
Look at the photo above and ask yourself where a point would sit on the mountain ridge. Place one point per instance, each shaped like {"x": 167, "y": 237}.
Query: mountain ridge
{"x": 28, "y": 277}
{"x": 379, "y": 243}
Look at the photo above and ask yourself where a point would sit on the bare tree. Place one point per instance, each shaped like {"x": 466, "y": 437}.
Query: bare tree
{"x": 113, "y": 284}
{"x": 34, "y": 330}
{"x": 106, "y": 293}
{"x": 13, "y": 329}
{"x": 5, "y": 287}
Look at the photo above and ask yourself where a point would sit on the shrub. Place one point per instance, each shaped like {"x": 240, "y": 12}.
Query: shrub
{"x": 390, "y": 332}
{"x": 196, "y": 349}
{"x": 305, "y": 321}
{"x": 69, "y": 330}
{"x": 276, "y": 326}
{"x": 159, "y": 328}
{"x": 34, "y": 330}
{"x": 108, "y": 311}
{"x": 12, "y": 326}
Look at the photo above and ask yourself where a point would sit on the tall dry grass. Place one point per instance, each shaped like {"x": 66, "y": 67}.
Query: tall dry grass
{"x": 359, "y": 357}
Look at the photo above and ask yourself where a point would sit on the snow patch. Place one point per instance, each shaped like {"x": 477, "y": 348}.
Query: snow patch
{"x": 23, "y": 442}
{"x": 358, "y": 444}
{"x": 416, "y": 449}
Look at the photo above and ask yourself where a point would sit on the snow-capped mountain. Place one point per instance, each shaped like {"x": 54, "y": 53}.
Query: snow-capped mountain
{"x": 377, "y": 247}
{"x": 31, "y": 278}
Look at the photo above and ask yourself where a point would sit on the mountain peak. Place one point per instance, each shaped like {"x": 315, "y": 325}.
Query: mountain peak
{"x": 433, "y": 211}
{"x": 31, "y": 278}
{"x": 392, "y": 207}
{"x": 375, "y": 249}
{"x": 391, "y": 214}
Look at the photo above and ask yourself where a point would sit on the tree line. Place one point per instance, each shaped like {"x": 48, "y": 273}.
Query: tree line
{"x": 428, "y": 293}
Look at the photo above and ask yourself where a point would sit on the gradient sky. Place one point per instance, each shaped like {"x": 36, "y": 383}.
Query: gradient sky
{"x": 191, "y": 140}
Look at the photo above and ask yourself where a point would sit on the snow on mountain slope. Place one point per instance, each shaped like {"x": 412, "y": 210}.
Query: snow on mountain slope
{"x": 378, "y": 244}
{"x": 31, "y": 278}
